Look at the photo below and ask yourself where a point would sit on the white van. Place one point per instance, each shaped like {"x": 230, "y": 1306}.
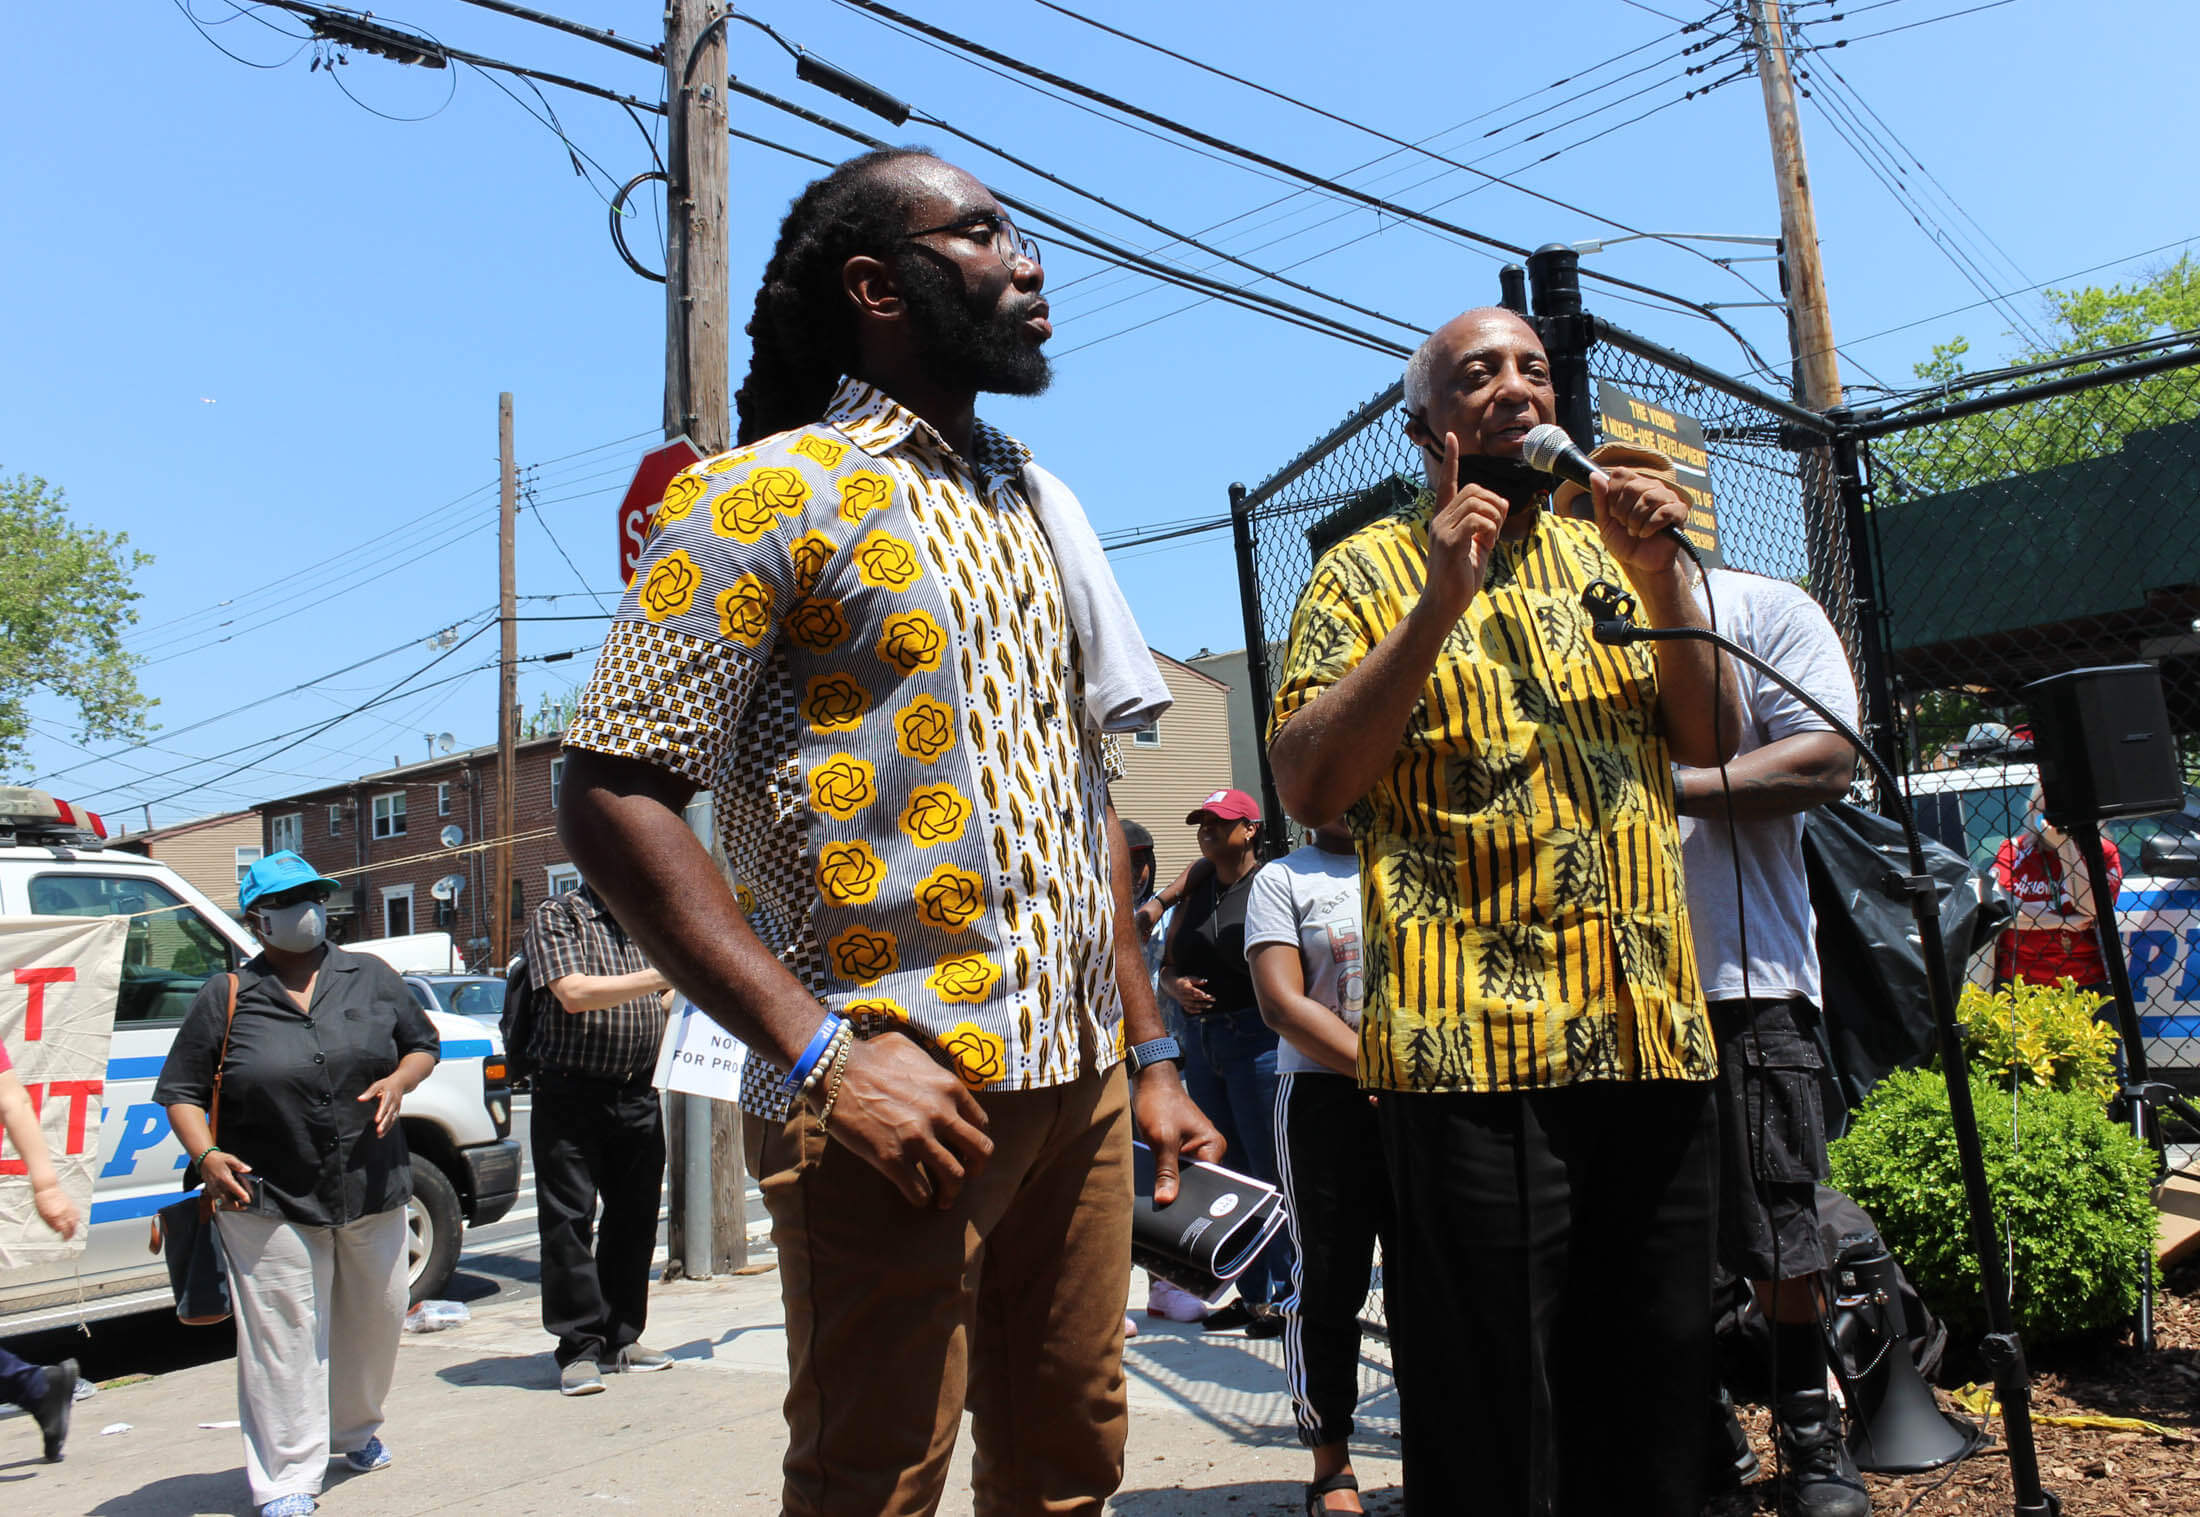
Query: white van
{"x": 2158, "y": 909}
{"x": 457, "y": 1123}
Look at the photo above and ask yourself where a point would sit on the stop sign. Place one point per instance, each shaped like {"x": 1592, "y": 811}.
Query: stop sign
{"x": 651, "y": 476}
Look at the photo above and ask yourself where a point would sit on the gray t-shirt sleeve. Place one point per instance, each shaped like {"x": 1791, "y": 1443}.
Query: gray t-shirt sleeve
{"x": 1271, "y": 909}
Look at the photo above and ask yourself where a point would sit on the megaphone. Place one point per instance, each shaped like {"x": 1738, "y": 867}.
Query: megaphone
{"x": 1895, "y": 1426}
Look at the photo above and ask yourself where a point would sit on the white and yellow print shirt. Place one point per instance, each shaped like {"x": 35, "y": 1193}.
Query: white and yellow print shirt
{"x": 856, "y": 639}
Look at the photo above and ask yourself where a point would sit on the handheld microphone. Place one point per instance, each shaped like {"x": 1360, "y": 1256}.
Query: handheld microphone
{"x": 1549, "y": 449}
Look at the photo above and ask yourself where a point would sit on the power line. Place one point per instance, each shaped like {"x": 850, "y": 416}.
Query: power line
{"x": 1114, "y": 252}
{"x": 1194, "y": 134}
{"x": 1913, "y": 25}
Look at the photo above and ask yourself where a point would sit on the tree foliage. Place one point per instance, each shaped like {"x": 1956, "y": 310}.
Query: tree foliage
{"x": 2060, "y": 429}
{"x": 65, "y": 601}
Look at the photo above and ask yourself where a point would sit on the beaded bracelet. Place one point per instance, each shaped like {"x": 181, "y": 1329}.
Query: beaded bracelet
{"x": 823, "y": 1067}
{"x": 826, "y": 1031}
{"x": 833, "y": 1084}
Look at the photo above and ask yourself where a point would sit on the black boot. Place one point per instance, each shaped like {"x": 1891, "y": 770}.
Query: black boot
{"x": 1729, "y": 1461}
{"x": 53, "y": 1408}
{"x": 1822, "y": 1480}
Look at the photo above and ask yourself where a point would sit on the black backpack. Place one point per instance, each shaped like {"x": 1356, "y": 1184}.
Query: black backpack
{"x": 518, "y": 1021}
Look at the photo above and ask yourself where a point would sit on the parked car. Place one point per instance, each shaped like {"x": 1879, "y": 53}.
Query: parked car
{"x": 479, "y": 996}
{"x": 2158, "y": 908}
{"x": 457, "y": 1122}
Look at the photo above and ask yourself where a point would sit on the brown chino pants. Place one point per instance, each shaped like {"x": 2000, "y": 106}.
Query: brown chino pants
{"x": 1011, "y": 1304}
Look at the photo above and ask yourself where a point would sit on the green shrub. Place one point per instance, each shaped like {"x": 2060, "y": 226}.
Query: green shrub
{"x": 2072, "y": 1194}
{"x": 2042, "y": 1036}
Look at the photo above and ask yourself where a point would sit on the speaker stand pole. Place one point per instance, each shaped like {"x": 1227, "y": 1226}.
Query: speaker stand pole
{"x": 2001, "y": 1348}
{"x": 2132, "y": 1088}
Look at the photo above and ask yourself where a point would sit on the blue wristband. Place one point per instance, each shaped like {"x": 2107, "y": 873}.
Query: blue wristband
{"x": 802, "y": 1066}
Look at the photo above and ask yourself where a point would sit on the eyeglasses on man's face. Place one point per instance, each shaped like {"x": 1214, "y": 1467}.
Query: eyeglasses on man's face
{"x": 990, "y": 227}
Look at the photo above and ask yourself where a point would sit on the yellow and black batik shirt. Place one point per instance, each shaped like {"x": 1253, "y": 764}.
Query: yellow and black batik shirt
{"x": 1520, "y": 864}
{"x": 856, "y": 639}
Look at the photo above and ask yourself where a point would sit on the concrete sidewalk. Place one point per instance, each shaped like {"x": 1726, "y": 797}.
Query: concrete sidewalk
{"x": 476, "y": 1427}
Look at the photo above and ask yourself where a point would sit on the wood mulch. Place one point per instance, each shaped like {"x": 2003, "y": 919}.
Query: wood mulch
{"x": 2094, "y": 1472}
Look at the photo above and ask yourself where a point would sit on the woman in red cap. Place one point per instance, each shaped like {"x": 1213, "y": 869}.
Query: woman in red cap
{"x": 1231, "y": 1071}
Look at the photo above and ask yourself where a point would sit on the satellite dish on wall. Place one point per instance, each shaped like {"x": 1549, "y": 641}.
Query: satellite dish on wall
{"x": 448, "y": 888}
{"x": 453, "y": 835}
{"x": 445, "y": 741}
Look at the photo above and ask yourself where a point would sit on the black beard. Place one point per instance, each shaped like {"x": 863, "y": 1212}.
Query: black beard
{"x": 1518, "y": 484}
{"x": 967, "y": 348}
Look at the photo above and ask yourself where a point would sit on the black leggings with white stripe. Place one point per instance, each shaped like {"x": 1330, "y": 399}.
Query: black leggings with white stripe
{"x": 1330, "y": 1156}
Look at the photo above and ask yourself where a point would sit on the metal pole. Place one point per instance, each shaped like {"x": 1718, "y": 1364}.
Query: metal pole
{"x": 695, "y": 1259}
{"x": 1512, "y": 288}
{"x": 1870, "y": 653}
{"x": 1256, "y": 664}
{"x": 2134, "y": 1054}
{"x": 1554, "y": 282}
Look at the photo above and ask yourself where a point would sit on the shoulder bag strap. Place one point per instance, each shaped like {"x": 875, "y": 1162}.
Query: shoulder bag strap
{"x": 214, "y": 1110}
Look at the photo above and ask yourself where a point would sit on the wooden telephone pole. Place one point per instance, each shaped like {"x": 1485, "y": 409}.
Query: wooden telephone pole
{"x": 1810, "y": 324}
{"x": 707, "y": 1169}
{"x": 500, "y": 894}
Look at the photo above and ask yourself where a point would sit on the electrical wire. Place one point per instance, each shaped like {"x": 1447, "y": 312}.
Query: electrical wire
{"x": 372, "y": 658}
{"x": 1085, "y": 239}
{"x": 542, "y": 521}
{"x": 910, "y": 23}
{"x": 201, "y": 26}
{"x": 1928, "y": 21}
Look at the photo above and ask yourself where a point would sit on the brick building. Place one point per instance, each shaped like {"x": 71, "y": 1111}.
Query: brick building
{"x": 212, "y": 852}
{"x": 381, "y": 835}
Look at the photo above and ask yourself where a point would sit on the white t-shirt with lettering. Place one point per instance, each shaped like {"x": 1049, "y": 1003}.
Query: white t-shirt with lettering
{"x": 1780, "y": 623}
{"x": 1312, "y": 898}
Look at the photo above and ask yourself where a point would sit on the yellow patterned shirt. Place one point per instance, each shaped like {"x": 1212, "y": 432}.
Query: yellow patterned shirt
{"x": 857, "y": 640}
{"x": 1520, "y": 864}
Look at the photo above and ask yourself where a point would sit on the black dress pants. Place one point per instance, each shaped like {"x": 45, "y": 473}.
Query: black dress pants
{"x": 1549, "y": 1297}
{"x": 596, "y": 1138}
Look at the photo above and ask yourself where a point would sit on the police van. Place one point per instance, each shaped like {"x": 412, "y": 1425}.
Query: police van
{"x": 457, "y": 1123}
{"x": 1973, "y": 810}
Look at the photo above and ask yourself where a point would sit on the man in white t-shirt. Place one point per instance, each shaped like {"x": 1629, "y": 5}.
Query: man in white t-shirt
{"x": 1302, "y": 943}
{"x": 1759, "y": 958}
{"x": 1757, "y": 950}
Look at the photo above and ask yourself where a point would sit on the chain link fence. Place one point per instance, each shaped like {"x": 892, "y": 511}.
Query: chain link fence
{"x": 1963, "y": 543}
{"x": 2029, "y": 524}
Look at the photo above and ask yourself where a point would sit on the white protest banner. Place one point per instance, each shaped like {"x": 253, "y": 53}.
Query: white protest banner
{"x": 698, "y": 1057}
{"x": 59, "y": 978}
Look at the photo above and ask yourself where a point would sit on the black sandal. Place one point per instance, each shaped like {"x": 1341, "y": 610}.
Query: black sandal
{"x": 1343, "y": 1480}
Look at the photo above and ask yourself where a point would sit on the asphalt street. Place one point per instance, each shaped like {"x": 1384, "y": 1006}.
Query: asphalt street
{"x": 499, "y": 1265}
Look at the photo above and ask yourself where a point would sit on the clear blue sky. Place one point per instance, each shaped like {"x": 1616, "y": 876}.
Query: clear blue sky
{"x": 263, "y": 331}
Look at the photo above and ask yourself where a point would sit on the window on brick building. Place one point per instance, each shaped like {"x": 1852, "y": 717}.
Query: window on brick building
{"x": 443, "y": 799}
{"x": 557, "y": 781}
{"x": 336, "y": 821}
{"x": 389, "y": 815}
{"x": 286, "y": 831}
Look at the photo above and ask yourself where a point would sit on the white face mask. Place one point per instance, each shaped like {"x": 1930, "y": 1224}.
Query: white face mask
{"x": 294, "y": 929}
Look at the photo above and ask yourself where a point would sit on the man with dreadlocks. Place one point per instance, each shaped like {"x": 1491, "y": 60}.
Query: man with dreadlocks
{"x": 888, "y": 644}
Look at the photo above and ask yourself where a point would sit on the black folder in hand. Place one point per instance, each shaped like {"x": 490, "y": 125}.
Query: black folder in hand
{"x": 1205, "y": 1238}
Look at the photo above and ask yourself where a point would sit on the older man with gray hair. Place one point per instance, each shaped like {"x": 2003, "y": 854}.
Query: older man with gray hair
{"x": 1534, "y": 1023}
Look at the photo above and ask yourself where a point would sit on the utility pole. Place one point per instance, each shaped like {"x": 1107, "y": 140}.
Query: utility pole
{"x": 707, "y": 1163}
{"x": 1834, "y": 520}
{"x": 500, "y": 896}
{"x": 1810, "y": 324}
{"x": 695, "y": 264}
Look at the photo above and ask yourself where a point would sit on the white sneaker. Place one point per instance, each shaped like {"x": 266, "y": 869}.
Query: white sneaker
{"x": 1173, "y": 1303}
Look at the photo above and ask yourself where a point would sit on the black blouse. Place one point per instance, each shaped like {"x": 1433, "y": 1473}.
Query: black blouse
{"x": 291, "y": 1084}
{"x": 1209, "y": 942}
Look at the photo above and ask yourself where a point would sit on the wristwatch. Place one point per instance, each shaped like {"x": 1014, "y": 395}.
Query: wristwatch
{"x": 1155, "y": 1051}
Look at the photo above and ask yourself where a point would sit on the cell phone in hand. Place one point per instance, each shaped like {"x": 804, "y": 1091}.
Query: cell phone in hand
{"x": 227, "y": 1202}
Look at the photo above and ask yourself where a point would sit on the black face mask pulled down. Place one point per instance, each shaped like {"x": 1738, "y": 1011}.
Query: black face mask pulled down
{"x": 1518, "y": 484}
